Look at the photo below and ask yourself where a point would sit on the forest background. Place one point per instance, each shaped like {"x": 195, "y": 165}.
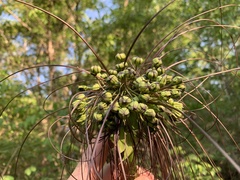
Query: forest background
{"x": 30, "y": 38}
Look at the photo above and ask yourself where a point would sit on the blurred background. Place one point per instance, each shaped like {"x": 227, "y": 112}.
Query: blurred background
{"x": 35, "y": 43}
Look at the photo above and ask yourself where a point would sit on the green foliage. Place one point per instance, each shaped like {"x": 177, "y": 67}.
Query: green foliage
{"x": 8, "y": 177}
{"x": 195, "y": 167}
{"x": 30, "y": 170}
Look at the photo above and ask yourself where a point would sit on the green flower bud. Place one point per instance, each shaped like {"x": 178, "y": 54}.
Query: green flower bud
{"x": 96, "y": 87}
{"x": 122, "y": 74}
{"x": 159, "y": 78}
{"x": 102, "y": 106}
{"x": 131, "y": 72}
{"x": 107, "y": 97}
{"x": 133, "y": 106}
{"x": 157, "y": 62}
{"x": 145, "y": 97}
{"x": 171, "y": 101}
{"x": 126, "y": 72}
{"x": 152, "y": 86}
{"x": 150, "y": 113}
{"x": 83, "y": 88}
{"x": 161, "y": 108}
{"x": 178, "y": 106}
{"x": 97, "y": 116}
{"x": 115, "y": 107}
{"x": 124, "y": 100}
{"x": 82, "y": 118}
{"x": 155, "y": 86}
{"x": 168, "y": 79}
{"x": 98, "y": 75}
{"x": 121, "y": 56}
{"x": 123, "y": 112}
{"x": 181, "y": 87}
{"x": 81, "y": 96}
{"x": 175, "y": 93}
{"x": 76, "y": 103}
{"x": 101, "y": 75}
{"x": 163, "y": 81}
{"x": 82, "y": 106}
{"x": 112, "y": 72}
{"x": 140, "y": 79}
{"x": 158, "y": 87}
{"x": 137, "y": 61}
{"x": 121, "y": 66}
{"x": 177, "y": 80}
{"x": 155, "y": 120}
{"x": 113, "y": 80}
{"x": 165, "y": 93}
{"x": 104, "y": 75}
{"x": 160, "y": 70}
{"x": 152, "y": 73}
{"x": 143, "y": 87}
{"x": 142, "y": 107}
{"x": 95, "y": 69}
{"x": 177, "y": 114}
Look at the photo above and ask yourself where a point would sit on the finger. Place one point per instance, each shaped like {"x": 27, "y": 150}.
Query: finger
{"x": 85, "y": 168}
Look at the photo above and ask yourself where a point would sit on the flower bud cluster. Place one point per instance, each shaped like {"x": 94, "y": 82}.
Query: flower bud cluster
{"x": 129, "y": 98}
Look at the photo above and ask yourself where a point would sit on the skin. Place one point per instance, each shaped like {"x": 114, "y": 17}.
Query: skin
{"x": 85, "y": 169}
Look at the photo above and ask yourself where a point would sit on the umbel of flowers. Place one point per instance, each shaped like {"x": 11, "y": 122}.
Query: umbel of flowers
{"x": 127, "y": 102}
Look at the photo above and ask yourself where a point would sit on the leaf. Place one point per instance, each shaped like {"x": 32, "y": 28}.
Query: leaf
{"x": 7, "y": 177}
{"x": 30, "y": 170}
{"x": 128, "y": 152}
{"x": 121, "y": 141}
{"x": 125, "y": 145}
{"x": 129, "y": 147}
{"x": 121, "y": 145}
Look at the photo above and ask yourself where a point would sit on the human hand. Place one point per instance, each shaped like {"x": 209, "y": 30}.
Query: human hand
{"x": 144, "y": 174}
{"x": 85, "y": 170}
